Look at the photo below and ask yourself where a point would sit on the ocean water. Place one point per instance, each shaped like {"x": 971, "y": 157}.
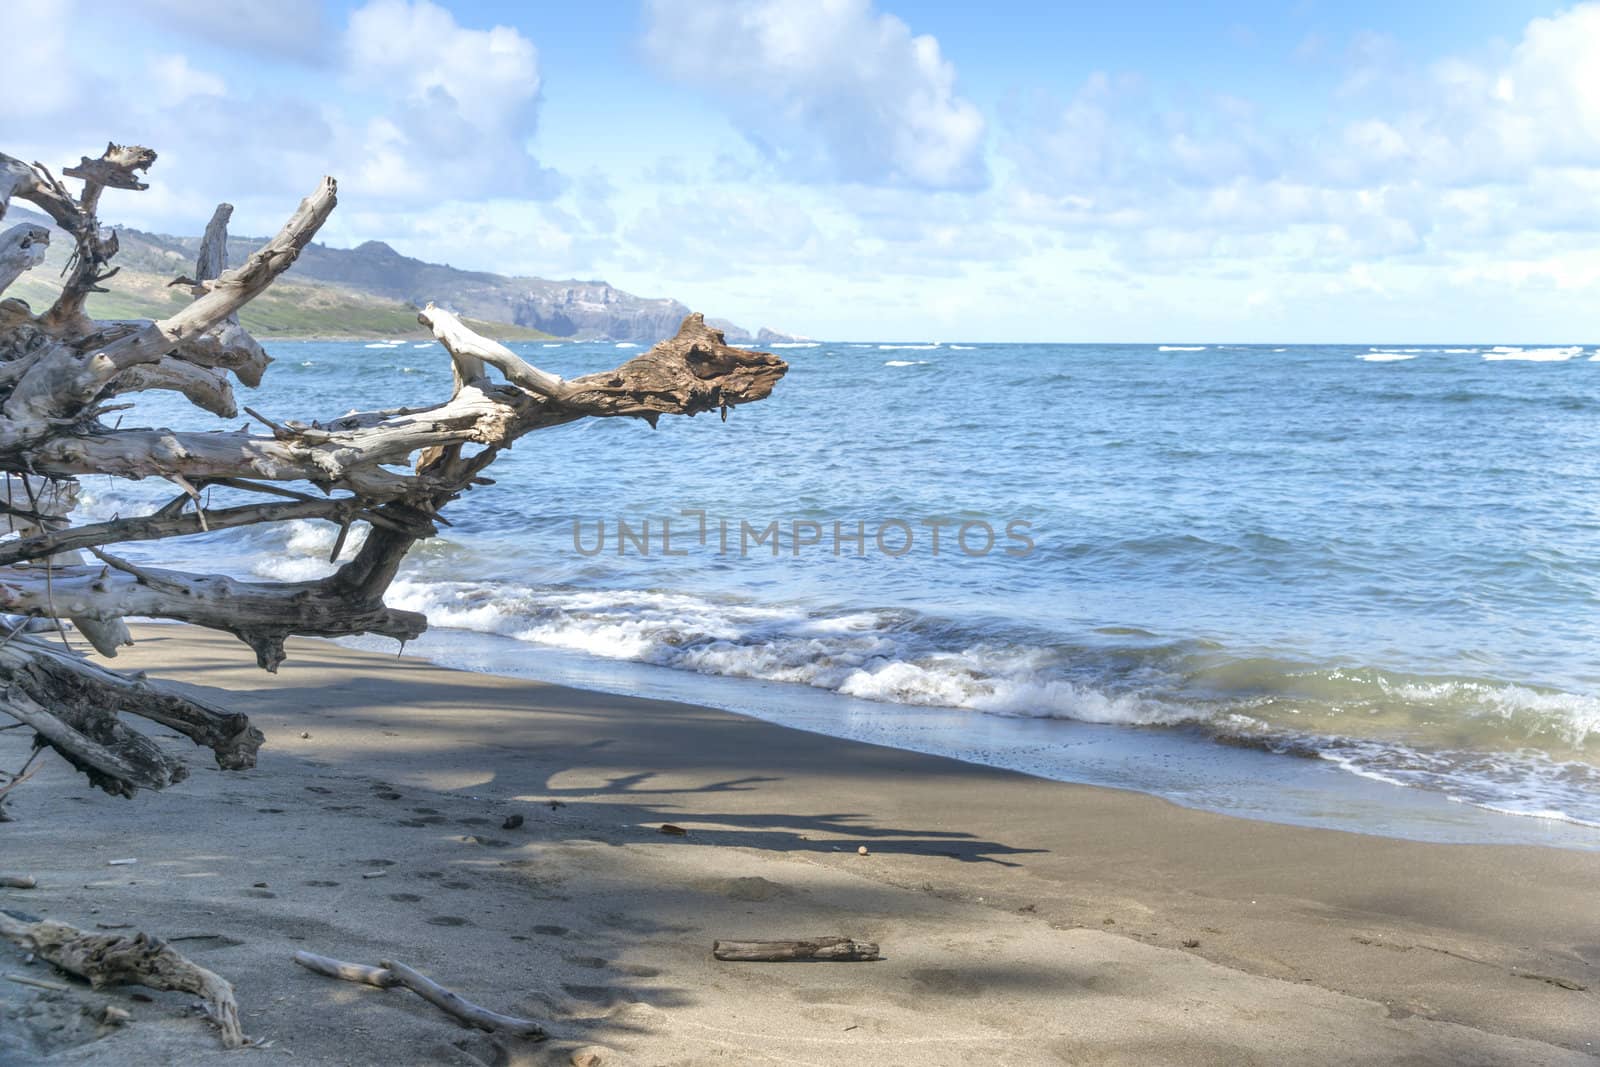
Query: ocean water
{"x": 1371, "y": 569}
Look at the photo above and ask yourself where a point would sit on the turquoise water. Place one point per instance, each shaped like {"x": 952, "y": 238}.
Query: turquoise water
{"x": 1386, "y": 560}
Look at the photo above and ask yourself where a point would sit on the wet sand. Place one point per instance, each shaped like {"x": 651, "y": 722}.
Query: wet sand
{"x": 1021, "y": 920}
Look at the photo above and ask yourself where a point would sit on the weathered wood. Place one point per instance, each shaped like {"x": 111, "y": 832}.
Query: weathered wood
{"x": 389, "y": 974}
{"x": 110, "y": 959}
{"x": 838, "y": 949}
{"x": 39, "y": 983}
{"x": 454, "y": 1005}
{"x": 22, "y": 248}
{"x": 117, "y": 168}
{"x": 470, "y": 351}
{"x": 395, "y": 469}
{"x": 58, "y": 679}
{"x": 18, "y": 881}
{"x": 360, "y": 973}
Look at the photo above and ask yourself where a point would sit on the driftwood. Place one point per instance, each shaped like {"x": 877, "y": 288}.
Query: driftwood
{"x": 18, "y": 881}
{"x": 391, "y": 471}
{"x": 390, "y": 974}
{"x": 839, "y": 949}
{"x": 110, "y": 959}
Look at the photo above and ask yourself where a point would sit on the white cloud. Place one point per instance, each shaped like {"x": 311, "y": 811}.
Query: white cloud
{"x": 1435, "y": 171}
{"x": 175, "y": 81}
{"x": 489, "y": 78}
{"x": 460, "y": 105}
{"x": 830, "y": 89}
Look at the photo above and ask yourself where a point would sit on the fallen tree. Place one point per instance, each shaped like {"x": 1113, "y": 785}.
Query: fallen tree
{"x": 391, "y": 471}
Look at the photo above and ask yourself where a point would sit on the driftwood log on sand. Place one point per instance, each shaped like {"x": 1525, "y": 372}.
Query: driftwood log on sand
{"x": 111, "y": 959}
{"x": 390, "y": 471}
{"x": 389, "y": 974}
{"x": 840, "y": 949}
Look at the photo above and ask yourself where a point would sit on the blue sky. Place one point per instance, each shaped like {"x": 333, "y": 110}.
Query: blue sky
{"x": 891, "y": 169}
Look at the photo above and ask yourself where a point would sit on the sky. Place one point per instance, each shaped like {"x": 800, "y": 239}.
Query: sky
{"x": 1296, "y": 171}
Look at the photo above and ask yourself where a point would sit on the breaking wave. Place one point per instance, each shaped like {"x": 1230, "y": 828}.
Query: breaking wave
{"x": 1409, "y": 730}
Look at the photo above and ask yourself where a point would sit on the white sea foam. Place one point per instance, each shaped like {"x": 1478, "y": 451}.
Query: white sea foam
{"x": 1533, "y": 355}
{"x": 1386, "y": 357}
{"x": 626, "y": 344}
{"x": 964, "y": 348}
{"x": 1527, "y": 784}
{"x": 1180, "y": 348}
{"x": 424, "y": 344}
{"x": 862, "y": 654}
{"x": 795, "y": 344}
{"x": 384, "y": 344}
{"x": 905, "y": 363}
{"x": 555, "y": 344}
{"x": 303, "y": 555}
{"x": 911, "y": 348}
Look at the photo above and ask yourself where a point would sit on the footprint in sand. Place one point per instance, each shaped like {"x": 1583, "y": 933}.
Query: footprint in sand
{"x": 321, "y": 883}
{"x": 378, "y": 863}
{"x": 262, "y": 894}
{"x": 551, "y": 931}
{"x": 447, "y": 920}
{"x": 405, "y": 898}
{"x": 456, "y": 885}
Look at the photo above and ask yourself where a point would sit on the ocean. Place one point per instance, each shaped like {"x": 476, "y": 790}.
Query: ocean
{"x": 1351, "y": 586}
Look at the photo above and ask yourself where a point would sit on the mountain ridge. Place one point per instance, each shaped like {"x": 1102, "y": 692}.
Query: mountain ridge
{"x": 377, "y": 273}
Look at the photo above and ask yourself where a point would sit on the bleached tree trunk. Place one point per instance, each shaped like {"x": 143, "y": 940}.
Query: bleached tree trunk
{"x": 60, "y": 373}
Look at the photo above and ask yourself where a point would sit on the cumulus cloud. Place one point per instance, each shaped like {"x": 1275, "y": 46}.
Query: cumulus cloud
{"x": 175, "y": 81}
{"x": 462, "y": 104}
{"x": 1410, "y": 166}
{"x": 827, "y": 90}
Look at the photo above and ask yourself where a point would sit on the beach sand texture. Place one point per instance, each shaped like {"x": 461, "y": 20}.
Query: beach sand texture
{"x": 1021, "y": 921}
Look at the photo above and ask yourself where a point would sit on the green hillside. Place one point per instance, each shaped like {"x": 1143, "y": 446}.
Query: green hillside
{"x": 285, "y": 311}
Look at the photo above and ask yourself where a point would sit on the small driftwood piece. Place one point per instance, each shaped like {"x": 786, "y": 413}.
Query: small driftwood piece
{"x": 110, "y": 959}
{"x": 17, "y": 881}
{"x": 391, "y": 974}
{"x": 839, "y": 949}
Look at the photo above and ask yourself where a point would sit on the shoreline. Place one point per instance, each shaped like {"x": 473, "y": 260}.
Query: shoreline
{"x": 1021, "y": 918}
{"x": 1186, "y": 766}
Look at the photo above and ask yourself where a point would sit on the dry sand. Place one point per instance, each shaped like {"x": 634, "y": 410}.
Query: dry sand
{"x": 1022, "y": 921}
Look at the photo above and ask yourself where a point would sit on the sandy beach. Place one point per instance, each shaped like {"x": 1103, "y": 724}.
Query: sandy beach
{"x": 1021, "y": 921}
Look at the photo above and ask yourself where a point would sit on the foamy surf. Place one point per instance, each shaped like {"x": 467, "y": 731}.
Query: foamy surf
{"x": 1533, "y": 355}
{"x": 905, "y": 363}
{"x": 905, "y": 659}
{"x": 1386, "y": 357}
